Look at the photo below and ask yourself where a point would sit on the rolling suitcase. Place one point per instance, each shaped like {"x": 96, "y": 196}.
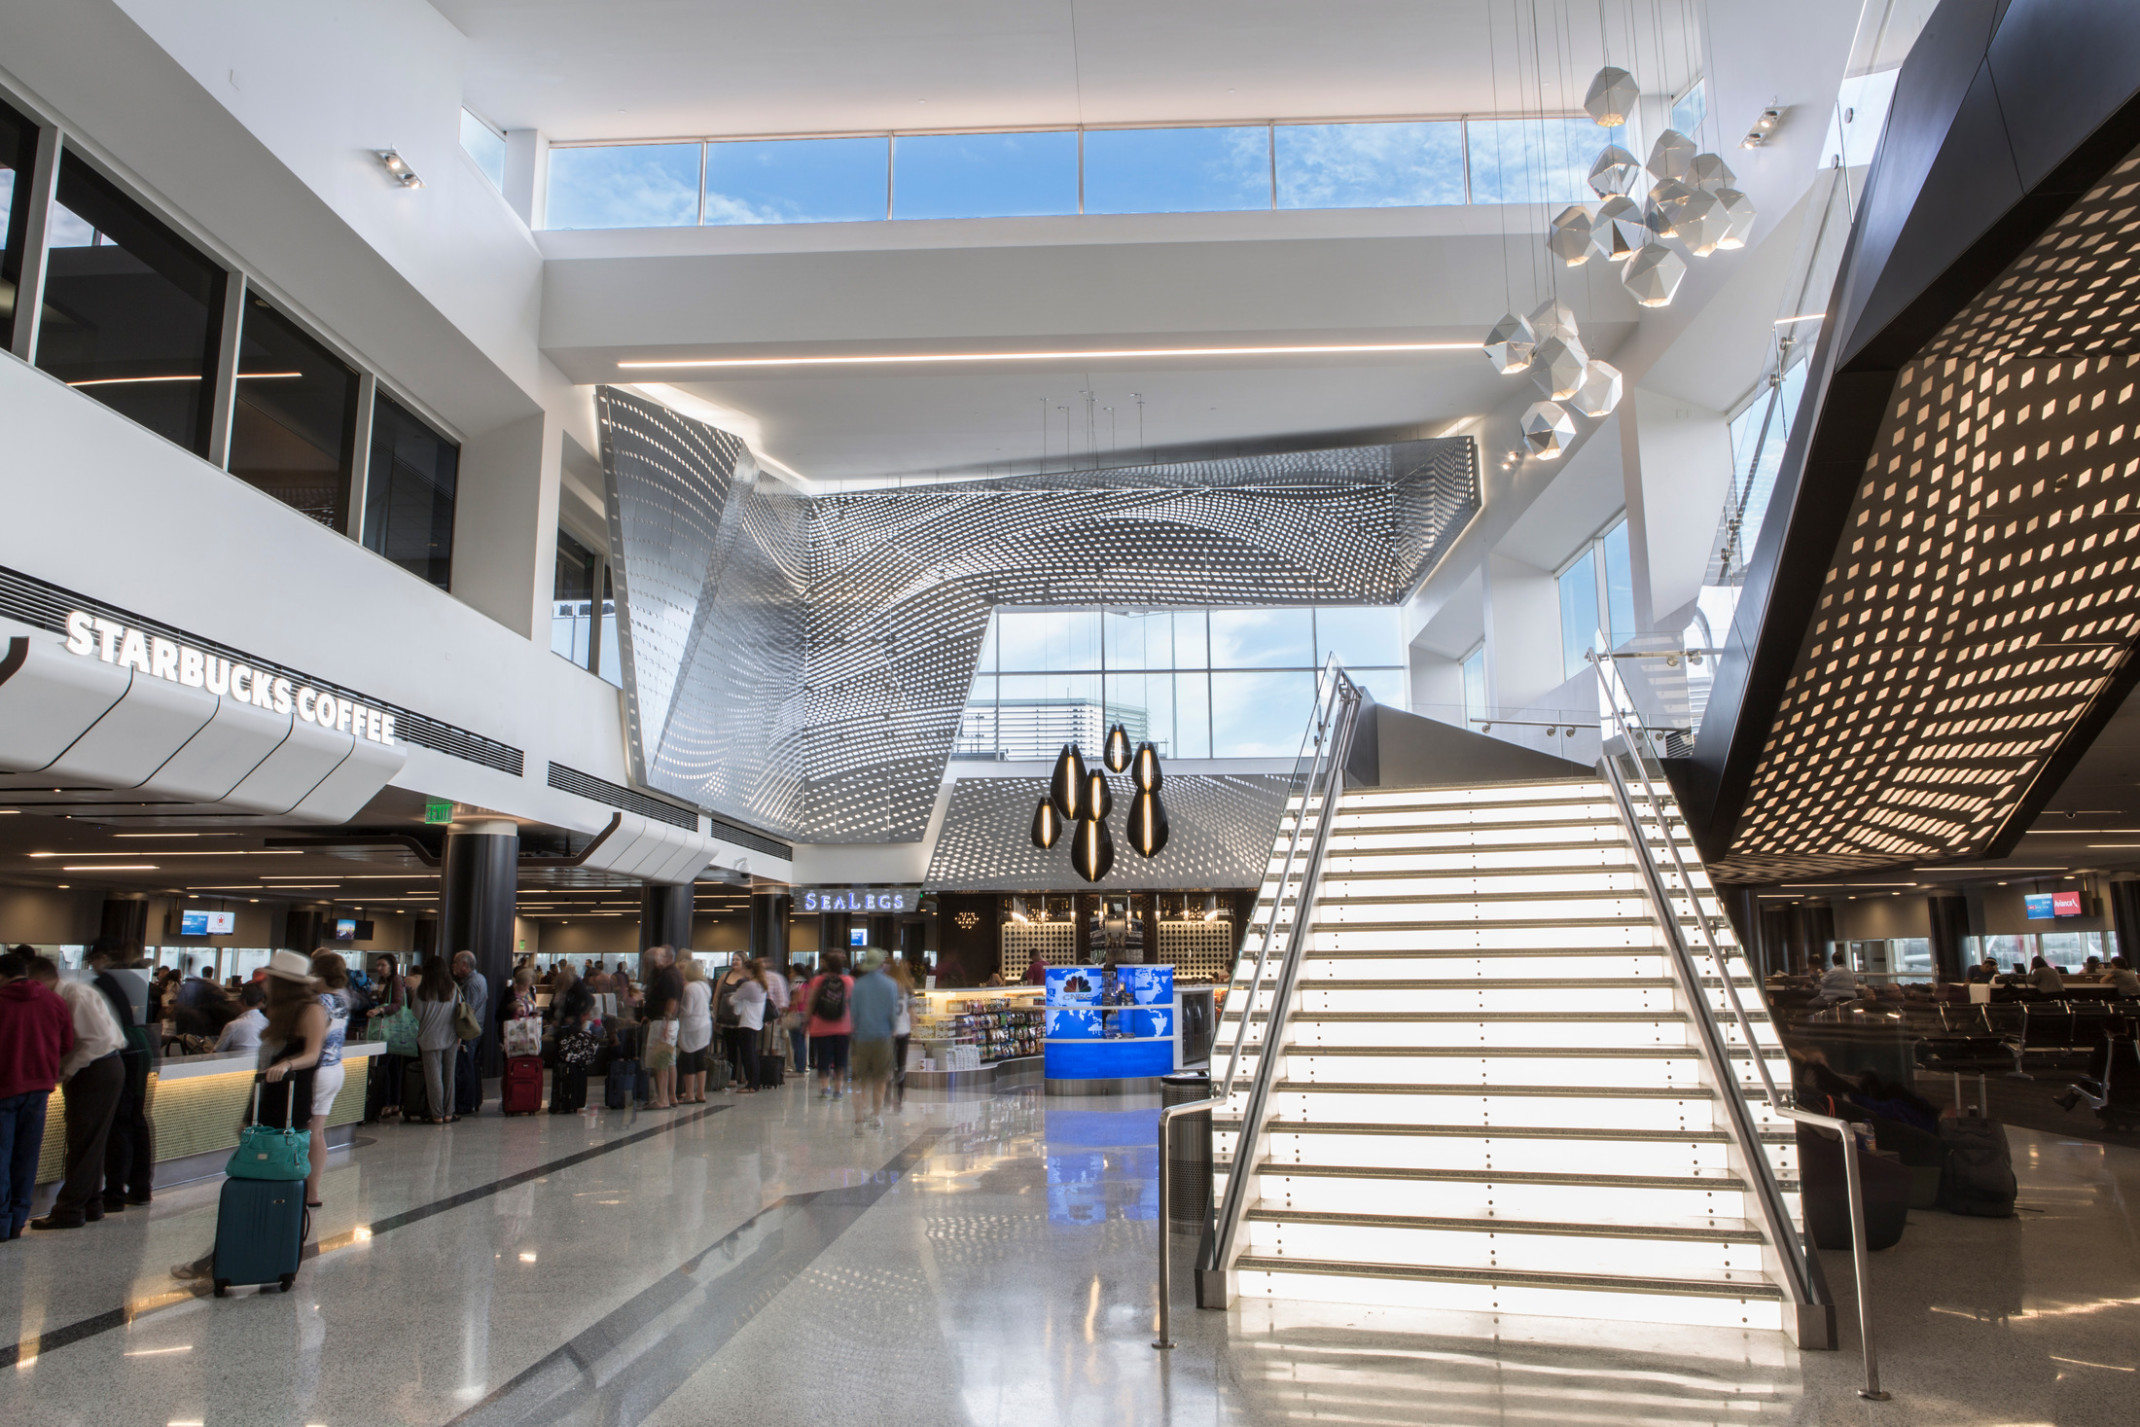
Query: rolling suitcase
{"x": 772, "y": 1072}
{"x": 520, "y": 1093}
{"x": 618, "y": 1084}
{"x": 1978, "y": 1177}
{"x": 415, "y": 1095}
{"x": 260, "y": 1224}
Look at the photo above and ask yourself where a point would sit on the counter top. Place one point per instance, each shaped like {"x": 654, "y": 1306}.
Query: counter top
{"x": 185, "y": 1067}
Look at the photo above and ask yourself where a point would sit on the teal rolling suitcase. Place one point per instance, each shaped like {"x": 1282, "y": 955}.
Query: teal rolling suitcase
{"x": 260, "y": 1223}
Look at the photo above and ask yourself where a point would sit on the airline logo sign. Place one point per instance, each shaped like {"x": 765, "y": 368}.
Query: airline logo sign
{"x": 95, "y": 637}
{"x": 840, "y": 899}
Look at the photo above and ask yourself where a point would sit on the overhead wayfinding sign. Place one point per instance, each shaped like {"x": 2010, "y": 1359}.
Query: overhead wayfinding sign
{"x": 856, "y": 899}
{"x": 95, "y": 637}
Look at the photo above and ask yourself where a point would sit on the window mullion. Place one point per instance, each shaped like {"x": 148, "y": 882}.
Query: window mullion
{"x": 36, "y": 249}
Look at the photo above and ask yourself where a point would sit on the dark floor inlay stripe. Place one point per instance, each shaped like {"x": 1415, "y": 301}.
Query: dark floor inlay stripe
{"x": 32, "y": 1348}
{"x": 632, "y": 1360}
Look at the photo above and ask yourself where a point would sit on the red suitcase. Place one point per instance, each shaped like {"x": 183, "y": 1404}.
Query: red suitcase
{"x": 522, "y": 1088}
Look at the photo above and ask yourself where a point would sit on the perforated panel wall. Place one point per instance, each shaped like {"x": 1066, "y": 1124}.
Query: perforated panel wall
{"x": 801, "y": 664}
{"x": 1220, "y": 828}
{"x": 1985, "y": 592}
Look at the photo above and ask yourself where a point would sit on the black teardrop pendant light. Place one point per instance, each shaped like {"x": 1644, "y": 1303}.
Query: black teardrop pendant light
{"x": 1115, "y": 752}
{"x": 1092, "y": 849}
{"x": 1047, "y": 824}
{"x": 1147, "y": 824}
{"x": 1066, "y": 789}
{"x": 1144, "y": 769}
{"x": 1099, "y": 798}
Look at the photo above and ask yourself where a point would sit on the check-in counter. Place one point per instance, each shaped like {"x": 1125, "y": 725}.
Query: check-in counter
{"x": 196, "y": 1103}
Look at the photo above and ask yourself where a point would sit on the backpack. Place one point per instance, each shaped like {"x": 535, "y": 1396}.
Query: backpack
{"x": 829, "y": 1003}
{"x": 727, "y": 1014}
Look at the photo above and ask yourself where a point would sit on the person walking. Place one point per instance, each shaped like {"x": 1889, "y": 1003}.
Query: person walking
{"x": 749, "y": 999}
{"x": 664, "y": 1000}
{"x": 130, "y": 1150}
{"x": 874, "y": 1001}
{"x": 92, "y": 1076}
{"x": 331, "y": 973}
{"x": 36, "y": 1037}
{"x": 831, "y": 1025}
{"x": 902, "y": 1028}
{"x": 474, "y": 988}
{"x": 694, "y": 1033}
{"x": 437, "y": 1001}
{"x": 774, "y": 1040}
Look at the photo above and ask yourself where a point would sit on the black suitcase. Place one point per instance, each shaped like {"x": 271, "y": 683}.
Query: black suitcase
{"x": 1978, "y": 1178}
{"x": 617, "y": 1086}
{"x": 772, "y": 1069}
{"x": 415, "y": 1095}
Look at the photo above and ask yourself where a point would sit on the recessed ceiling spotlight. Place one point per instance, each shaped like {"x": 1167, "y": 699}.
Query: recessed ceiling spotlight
{"x": 398, "y": 166}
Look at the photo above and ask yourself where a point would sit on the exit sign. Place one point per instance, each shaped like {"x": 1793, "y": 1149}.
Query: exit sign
{"x": 437, "y": 813}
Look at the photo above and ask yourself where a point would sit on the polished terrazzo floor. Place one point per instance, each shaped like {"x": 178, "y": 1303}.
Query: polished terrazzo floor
{"x": 977, "y": 1261}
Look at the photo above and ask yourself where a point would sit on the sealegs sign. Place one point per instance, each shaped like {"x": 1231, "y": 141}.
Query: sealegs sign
{"x": 850, "y": 899}
{"x": 94, "y": 636}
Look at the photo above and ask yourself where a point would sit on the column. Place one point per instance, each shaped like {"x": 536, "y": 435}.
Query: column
{"x": 665, "y": 916}
{"x": 301, "y": 929}
{"x": 126, "y": 921}
{"x": 769, "y": 930}
{"x": 1950, "y": 923}
{"x": 478, "y": 881}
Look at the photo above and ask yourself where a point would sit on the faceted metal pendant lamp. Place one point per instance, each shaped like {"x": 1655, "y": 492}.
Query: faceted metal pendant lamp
{"x": 1099, "y": 798}
{"x": 1611, "y": 97}
{"x": 1508, "y": 345}
{"x": 1047, "y": 825}
{"x": 1739, "y": 214}
{"x": 1654, "y": 274}
{"x": 1548, "y": 430}
{"x": 1066, "y": 788}
{"x": 1600, "y": 391}
{"x": 1558, "y": 366}
{"x": 1618, "y": 230}
{"x": 1092, "y": 849}
{"x": 1552, "y": 318}
{"x": 1702, "y": 223}
{"x": 1672, "y": 156}
{"x": 1569, "y": 239}
{"x": 1115, "y": 752}
{"x": 1711, "y": 172}
{"x": 1613, "y": 171}
{"x": 1147, "y": 824}
{"x": 1144, "y": 769}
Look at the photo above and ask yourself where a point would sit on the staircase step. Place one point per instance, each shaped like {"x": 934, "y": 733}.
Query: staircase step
{"x": 1223, "y": 1124}
{"x": 1502, "y": 1245}
{"x": 1487, "y": 1193}
{"x": 1693, "y": 1302}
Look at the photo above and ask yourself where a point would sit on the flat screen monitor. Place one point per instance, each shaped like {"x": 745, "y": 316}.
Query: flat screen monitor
{"x": 197, "y": 922}
{"x": 352, "y": 929}
{"x": 2043, "y": 906}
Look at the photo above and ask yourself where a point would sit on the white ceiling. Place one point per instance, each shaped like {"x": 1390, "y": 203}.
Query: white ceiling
{"x": 641, "y": 68}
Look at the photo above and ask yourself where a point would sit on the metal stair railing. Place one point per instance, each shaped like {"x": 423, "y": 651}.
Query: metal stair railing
{"x": 1325, "y": 747}
{"x": 1803, "y": 1280}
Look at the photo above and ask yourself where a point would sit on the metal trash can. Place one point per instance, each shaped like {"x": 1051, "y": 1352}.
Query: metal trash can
{"x": 1189, "y": 1172}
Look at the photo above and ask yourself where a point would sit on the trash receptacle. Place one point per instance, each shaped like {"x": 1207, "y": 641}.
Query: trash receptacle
{"x": 1189, "y": 1172}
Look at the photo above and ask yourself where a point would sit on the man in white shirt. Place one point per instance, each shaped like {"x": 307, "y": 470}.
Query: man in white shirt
{"x": 243, "y": 1032}
{"x": 91, "y": 1078}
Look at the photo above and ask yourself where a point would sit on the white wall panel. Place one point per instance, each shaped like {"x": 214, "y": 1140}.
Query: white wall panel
{"x": 286, "y": 776}
{"x": 353, "y": 783}
{"x": 229, "y": 746}
{"x": 136, "y": 735}
{"x": 50, "y": 699}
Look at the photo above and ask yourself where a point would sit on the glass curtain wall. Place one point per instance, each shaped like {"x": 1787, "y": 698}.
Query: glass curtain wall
{"x": 1597, "y": 594}
{"x": 1199, "y": 683}
{"x": 583, "y": 629}
{"x": 1156, "y": 169}
{"x": 409, "y": 493}
{"x": 18, "y": 152}
{"x": 132, "y": 313}
{"x": 293, "y": 423}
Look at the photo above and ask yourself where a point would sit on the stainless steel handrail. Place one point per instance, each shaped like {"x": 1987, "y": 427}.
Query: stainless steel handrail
{"x": 1330, "y": 733}
{"x": 1796, "y": 1258}
{"x": 1311, "y": 747}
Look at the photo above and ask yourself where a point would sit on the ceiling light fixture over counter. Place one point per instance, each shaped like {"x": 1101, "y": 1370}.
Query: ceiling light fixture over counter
{"x": 897, "y": 358}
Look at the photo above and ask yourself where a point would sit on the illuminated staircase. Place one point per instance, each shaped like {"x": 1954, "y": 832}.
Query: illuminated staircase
{"x": 1492, "y": 1098}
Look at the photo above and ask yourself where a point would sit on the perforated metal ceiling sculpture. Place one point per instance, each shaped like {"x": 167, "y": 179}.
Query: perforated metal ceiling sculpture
{"x": 1220, "y": 835}
{"x": 1987, "y": 588}
{"x": 801, "y": 663}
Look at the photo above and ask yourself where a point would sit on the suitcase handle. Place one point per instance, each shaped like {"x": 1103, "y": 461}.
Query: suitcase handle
{"x": 289, "y": 1100}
